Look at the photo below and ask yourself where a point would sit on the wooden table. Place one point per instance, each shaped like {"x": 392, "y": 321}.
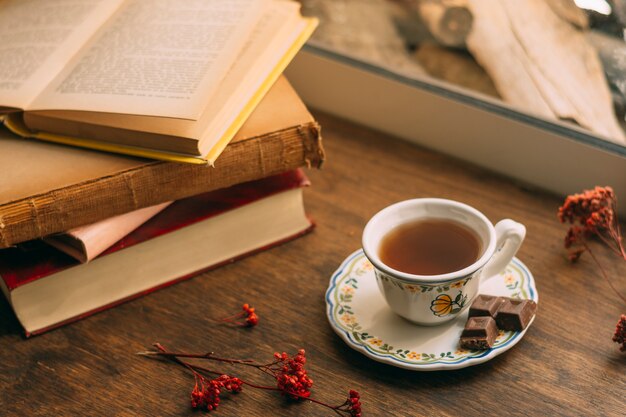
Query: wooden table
{"x": 565, "y": 365}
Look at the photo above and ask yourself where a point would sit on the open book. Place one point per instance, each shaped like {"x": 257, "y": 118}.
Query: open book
{"x": 152, "y": 78}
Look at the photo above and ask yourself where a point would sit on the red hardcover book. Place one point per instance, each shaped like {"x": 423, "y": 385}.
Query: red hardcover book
{"x": 48, "y": 288}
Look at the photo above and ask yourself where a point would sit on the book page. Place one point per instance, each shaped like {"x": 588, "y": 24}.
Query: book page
{"x": 155, "y": 57}
{"x": 38, "y": 37}
{"x": 286, "y": 25}
{"x": 271, "y": 37}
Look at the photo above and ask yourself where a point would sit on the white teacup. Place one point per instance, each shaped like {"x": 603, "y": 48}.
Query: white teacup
{"x": 435, "y": 299}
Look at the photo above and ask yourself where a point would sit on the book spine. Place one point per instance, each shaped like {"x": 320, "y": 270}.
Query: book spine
{"x": 85, "y": 203}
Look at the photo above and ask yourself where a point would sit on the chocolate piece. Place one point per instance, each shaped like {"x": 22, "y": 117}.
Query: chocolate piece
{"x": 479, "y": 333}
{"x": 515, "y": 314}
{"x": 485, "y": 305}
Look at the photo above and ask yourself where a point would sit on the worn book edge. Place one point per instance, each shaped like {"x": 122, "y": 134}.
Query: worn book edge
{"x": 64, "y": 208}
{"x": 14, "y": 121}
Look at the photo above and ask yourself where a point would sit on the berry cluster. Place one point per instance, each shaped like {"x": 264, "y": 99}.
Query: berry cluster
{"x": 291, "y": 377}
{"x": 206, "y": 396}
{"x": 249, "y": 316}
{"x": 593, "y": 209}
{"x": 593, "y": 213}
{"x": 354, "y": 404}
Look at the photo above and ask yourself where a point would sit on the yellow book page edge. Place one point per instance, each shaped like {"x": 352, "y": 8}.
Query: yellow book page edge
{"x": 220, "y": 145}
{"x": 15, "y": 124}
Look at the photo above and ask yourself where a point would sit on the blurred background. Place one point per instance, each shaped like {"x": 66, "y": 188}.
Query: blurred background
{"x": 559, "y": 59}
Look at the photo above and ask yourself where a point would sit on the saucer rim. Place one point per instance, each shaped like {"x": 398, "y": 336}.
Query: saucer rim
{"x": 430, "y": 366}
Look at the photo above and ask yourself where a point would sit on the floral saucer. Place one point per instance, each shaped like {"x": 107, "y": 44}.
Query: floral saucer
{"x": 359, "y": 314}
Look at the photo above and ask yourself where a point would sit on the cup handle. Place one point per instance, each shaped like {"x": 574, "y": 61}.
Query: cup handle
{"x": 509, "y": 237}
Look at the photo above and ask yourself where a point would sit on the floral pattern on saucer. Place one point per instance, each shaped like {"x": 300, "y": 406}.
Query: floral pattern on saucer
{"x": 358, "y": 313}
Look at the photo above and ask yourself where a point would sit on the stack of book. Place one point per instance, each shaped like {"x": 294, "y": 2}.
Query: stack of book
{"x": 144, "y": 141}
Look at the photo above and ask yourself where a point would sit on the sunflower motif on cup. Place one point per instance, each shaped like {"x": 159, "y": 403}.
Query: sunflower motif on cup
{"x": 444, "y": 305}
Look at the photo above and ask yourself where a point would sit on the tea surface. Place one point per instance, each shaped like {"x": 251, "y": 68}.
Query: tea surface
{"x": 429, "y": 247}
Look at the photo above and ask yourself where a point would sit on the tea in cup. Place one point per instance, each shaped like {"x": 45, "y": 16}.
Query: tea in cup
{"x": 429, "y": 256}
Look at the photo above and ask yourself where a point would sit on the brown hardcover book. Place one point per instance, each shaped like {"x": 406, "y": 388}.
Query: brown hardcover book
{"x": 47, "y": 188}
{"x": 149, "y": 78}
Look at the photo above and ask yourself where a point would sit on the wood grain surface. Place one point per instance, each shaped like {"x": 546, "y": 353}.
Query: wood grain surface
{"x": 566, "y": 365}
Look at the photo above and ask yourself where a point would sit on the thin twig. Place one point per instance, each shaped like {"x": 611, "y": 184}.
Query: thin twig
{"x": 602, "y": 271}
{"x": 209, "y": 356}
{"x": 611, "y": 243}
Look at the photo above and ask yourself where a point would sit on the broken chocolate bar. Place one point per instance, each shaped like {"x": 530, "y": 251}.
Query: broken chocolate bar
{"x": 479, "y": 333}
{"x": 485, "y": 305}
{"x": 515, "y": 314}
